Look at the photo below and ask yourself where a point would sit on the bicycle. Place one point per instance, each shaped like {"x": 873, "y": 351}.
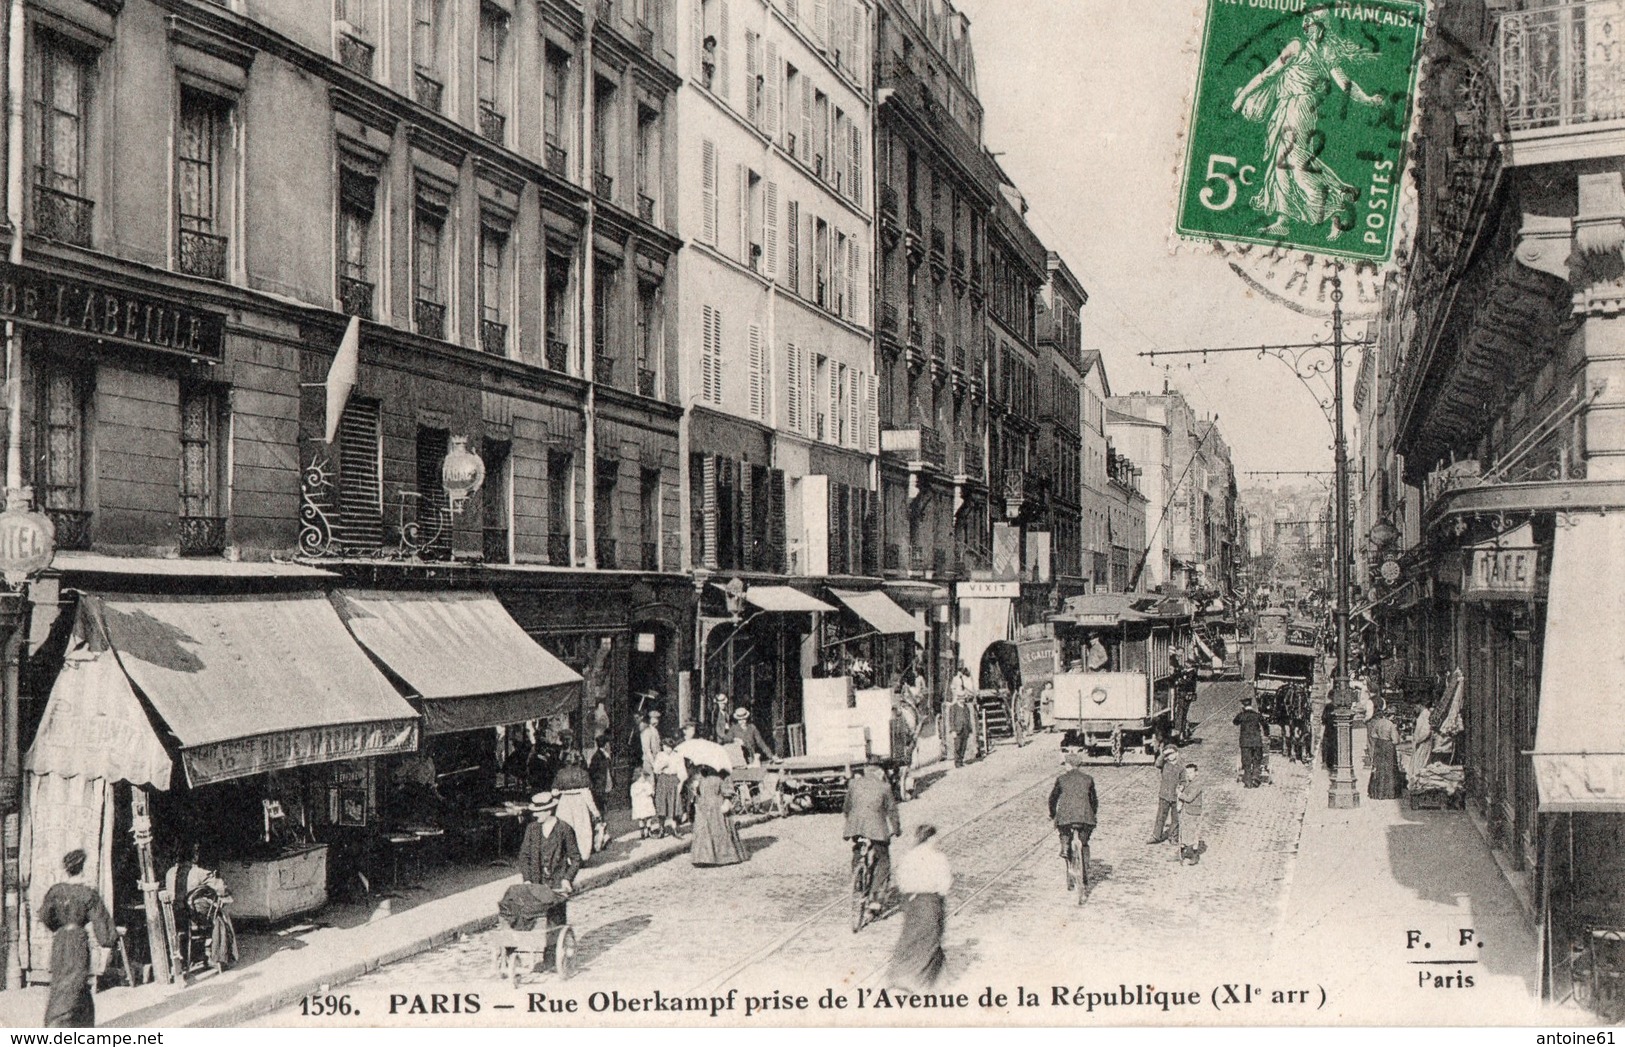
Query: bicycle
{"x": 863, "y": 876}
{"x": 1077, "y": 868}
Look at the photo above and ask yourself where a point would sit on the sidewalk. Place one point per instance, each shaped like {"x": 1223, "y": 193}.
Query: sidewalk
{"x": 344, "y": 941}
{"x": 1367, "y": 877}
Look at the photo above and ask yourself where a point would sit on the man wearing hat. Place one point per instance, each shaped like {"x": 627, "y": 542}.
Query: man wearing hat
{"x": 871, "y": 814}
{"x": 1167, "y": 825}
{"x": 549, "y": 854}
{"x": 743, "y": 739}
{"x": 1074, "y": 805}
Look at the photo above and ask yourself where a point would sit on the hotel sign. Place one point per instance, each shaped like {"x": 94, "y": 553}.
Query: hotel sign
{"x": 53, "y": 302}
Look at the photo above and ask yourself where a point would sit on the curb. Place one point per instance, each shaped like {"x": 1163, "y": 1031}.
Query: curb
{"x": 325, "y": 981}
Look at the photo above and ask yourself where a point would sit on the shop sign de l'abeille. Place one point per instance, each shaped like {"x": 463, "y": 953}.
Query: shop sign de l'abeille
{"x": 40, "y": 299}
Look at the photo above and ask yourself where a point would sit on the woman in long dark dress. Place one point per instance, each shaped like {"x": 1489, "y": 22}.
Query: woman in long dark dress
{"x": 716, "y": 838}
{"x": 924, "y": 879}
{"x": 67, "y": 908}
{"x": 1328, "y": 736}
{"x": 1382, "y": 734}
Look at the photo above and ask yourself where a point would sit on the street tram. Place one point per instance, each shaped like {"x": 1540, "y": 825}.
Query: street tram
{"x": 1114, "y": 693}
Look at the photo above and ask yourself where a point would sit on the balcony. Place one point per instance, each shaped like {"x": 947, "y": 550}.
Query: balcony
{"x": 202, "y": 535}
{"x": 970, "y": 461}
{"x": 960, "y": 376}
{"x": 355, "y": 297}
{"x": 355, "y": 54}
{"x": 494, "y": 545}
{"x": 606, "y": 553}
{"x": 916, "y": 562}
{"x": 645, "y": 35}
{"x": 893, "y": 560}
{"x": 977, "y": 290}
{"x": 426, "y": 90}
{"x": 916, "y": 344}
{"x": 651, "y": 557}
{"x": 493, "y": 125}
{"x": 939, "y": 254}
{"x": 920, "y": 444}
{"x": 494, "y": 337}
{"x": 62, "y": 216}
{"x": 647, "y": 383}
{"x": 72, "y": 528}
{"x": 916, "y": 237}
{"x": 603, "y": 370}
{"x": 556, "y": 159}
{"x": 646, "y": 208}
{"x": 958, "y": 270}
{"x": 1561, "y": 68}
{"x": 978, "y": 389}
{"x": 557, "y": 352}
{"x": 558, "y": 549}
{"x": 939, "y": 359}
{"x": 430, "y": 318}
{"x": 888, "y": 319}
{"x": 202, "y": 254}
{"x": 603, "y": 186}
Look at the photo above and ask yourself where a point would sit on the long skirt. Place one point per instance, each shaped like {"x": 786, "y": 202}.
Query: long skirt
{"x": 1190, "y": 829}
{"x": 917, "y": 961}
{"x": 716, "y": 838}
{"x": 668, "y": 796}
{"x": 576, "y": 809}
{"x": 1384, "y": 783}
{"x": 70, "y": 1004}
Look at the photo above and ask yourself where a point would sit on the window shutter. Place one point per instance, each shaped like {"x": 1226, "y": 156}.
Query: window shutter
{"x": 809, "y": 268}
{"x": 753, "y": 69}
{"x": 821, "y": 21}
{"x": 758, "y": 373}
{"x": 709, "y": 501}
{"x": 775, "y": 522}
{"x": 868, "y": 528}
{"x": 873, "y": 425}
{"x": 854, "y": 435}
{"x": 708, "y": 191}
{"x": 774, "y": 74}
{"x": 716, "y": 356}
{"x": 792, "y": 10}
{"x": 792, "y": 250}
{"x": 854, "y": 160}
{"x": 832, "y": 410}
{"x": 810, "y": 395}
{"x": 722, "y": 47}
{"x": 794, "y": 383}
{"x": 770, "y": 234}
{"x": 837, "y": 153}
{"x": 839, "y": 306}
{"x": 744, "y": 213}
{"x": 698, "y": 22}
{"x": 806, "y": 119}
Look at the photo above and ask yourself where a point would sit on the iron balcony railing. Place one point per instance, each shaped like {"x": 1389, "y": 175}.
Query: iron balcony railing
{"x": 558, "y": 549}
{"x": 72, "y": 527}
{"x": 603, "y": 370}
{"x": 430, "y": 318}
{"x": 494, "y": 337}
{"x": 558, "y": 354}
{"x": 356, "y": 297}
{"x": 646, "y": 382}
{"x": 651, "y": 556}
{"x": 426, "y": 90}
{"x": 202, "y": 535}
{"x": 888, "y": 317}
{"x": 493, "y": 125}
{"x": 603, "y": 185}
{"x": 1562, "y": 64}
{"x": 62, "y": 216}
{"x": 556, "y": 158}
{"x": 916, "y": 444}
{"x": 355, "y": 54}
{"x": 202, "y": 254}
{"x": 646, "y": 208}
{"x": 606, "y": 553}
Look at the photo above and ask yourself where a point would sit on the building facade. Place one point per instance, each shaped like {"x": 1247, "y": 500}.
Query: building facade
{"x": 1060, "y": 439}
{"x": 1095, "y": 514}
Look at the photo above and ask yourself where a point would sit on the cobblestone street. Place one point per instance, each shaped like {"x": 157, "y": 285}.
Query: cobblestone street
{"x": 748, "y": 927}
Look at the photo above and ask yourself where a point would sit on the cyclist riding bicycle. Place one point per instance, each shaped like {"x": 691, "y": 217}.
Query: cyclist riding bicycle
{"x": 1073, "y": 806}
{"x": 871, "y": 814}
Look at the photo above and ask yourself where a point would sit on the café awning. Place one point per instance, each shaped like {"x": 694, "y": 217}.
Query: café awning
{"x": 877, "y": 609}
{"x": 461, "y": 655}
{"x": 251, "y": 683}
{"x": 785, "y": 599}
{"x": 1579, "y": 753}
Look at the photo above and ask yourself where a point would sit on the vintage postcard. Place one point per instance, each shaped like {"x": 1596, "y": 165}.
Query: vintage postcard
{"x": 813, "y": 513}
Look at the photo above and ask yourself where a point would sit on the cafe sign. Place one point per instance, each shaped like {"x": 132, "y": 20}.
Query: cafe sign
{"x": 1504, "y": 570}
{"x": 48, "y": 301}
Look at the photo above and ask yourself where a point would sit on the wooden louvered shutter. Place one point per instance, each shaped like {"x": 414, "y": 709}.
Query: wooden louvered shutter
{"x": 360, "y": 494}
{"x": 708, "y": 191}
{"x": 792, "y": 250}
{"x": 709, "y": 503}
{"x": 873, "y": 426}
{"x": 775, "y": 522}
{"x": 770, "y": 232}
{"x": 868, "y": 527}
{"x": 753, "y": 69}
{"x": 744, "y": 214}
{"x": 821, "y": 22}
{"x": 854, "y": 160}
{"x": 774, "y": 72}
{"x": 795, "y": 416}
{"x": 758, "y": 374}
{"x": 722, "y": 47}
{"x": 854, "y": 435}
{"x": 745, "y": 553}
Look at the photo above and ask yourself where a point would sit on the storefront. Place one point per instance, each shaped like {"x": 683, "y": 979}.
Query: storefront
{"x": 878, "y": 639}
{"x": 759, "y": 643}
{"x": 246, "y": 720}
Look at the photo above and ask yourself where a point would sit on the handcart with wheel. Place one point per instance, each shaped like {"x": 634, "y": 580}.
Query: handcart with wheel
{"x": 532, "y": 932}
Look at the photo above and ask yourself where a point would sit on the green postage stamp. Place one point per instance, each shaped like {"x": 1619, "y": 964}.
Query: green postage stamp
{"x": 1299, "y": 125}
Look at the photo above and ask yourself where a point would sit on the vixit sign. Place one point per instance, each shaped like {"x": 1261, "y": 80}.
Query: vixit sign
{"x": 1298, "y": 129}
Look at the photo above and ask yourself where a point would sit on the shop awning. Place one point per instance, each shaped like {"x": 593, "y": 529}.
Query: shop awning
{"x": 784, "y": 598}
{"x": 880, "y": 612}
{"x": 1579, "y": 751}
{"x": 95, "y": 727}
{"x": 249, "y": 684}
{"x": 462, "y": 656}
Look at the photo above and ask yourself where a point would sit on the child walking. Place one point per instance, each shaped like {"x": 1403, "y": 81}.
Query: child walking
{"x": 1191, "y": 801}
{"x": 643, "y": 803}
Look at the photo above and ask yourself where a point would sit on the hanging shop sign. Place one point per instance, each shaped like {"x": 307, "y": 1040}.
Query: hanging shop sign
{"x": 52, "y": 302}
{"x": 27, "y": 544}
{"x": 1504, "y": 570}
{"x": 988, "y": 590}
{"x": 462, "y": 472}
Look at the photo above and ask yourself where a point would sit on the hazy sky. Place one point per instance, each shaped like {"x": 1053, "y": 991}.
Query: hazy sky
{"x": 1087, "y": 102}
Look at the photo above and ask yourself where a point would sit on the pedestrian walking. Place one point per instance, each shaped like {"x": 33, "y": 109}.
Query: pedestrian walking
{"x": 1382, "y": 737}
{"x": 670, "y": 772}
{"x": 1191, "y": 803}
{"x": 69, "y": 906}
{"x": 642, "y": 794}
{"x": 870, "y": 815}
{"x": 1328, "y": 735}
{"x": 577, "y": 808}
{"x": 549, "y": 854}
{"x": 960, "y": 722}
{"x": 601, "y": 771}
{"x": 1253, "y": 731}
{"x": 924, "y": 879}
{"x": 649, "y": 740}
{"x": 1074, "y": 807}
{"x": 716, "y": 837}
{"x": 1170, "y": 771}
{"x": 742, "y": 739}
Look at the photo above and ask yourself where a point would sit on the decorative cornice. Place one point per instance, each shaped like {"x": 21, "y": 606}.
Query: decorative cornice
{"x": 188, "y": 33}
{"x": 365, "y": 110}
{"x": 436, "y": 143}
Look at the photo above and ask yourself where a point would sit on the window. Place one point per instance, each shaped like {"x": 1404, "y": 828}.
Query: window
{"x": 433, "y": 507}
{"x": 555, "y": 109}
{"x": 648, "y": 161}
{"x": 792, "y": 102}
{"x": 428, "y": 77}
{"x": 559, "y": 480}
{"x": 603, "y": 318}
{"x": 61, "y": 98}
{"x": 649, "y": 518}
{"x": 711, "y": 31}
{"x": 556, "y": 293}
{"x": 604, "y": 523}
{"x": 822, "y": 375}
{"x": 358, "y": 188}
{"x": 494, "y": 500}
{"x": 201, "y": 237}
{"x": 205, "y": 428}
{"x": 604, "y": 162}
{"x": 650, "y": 340}
{"x": 821, "y": 161}
{"x": 429, "y": 249}
{"x": 821, "y": 263}
{"x": 360, "y": 495}
{"x": 62, "y": 392}
{"x": 493, "y": 286}
{"x": 355, "y": 31}
{"x": 491, "y": 75}
{"x": 750, "y": 218}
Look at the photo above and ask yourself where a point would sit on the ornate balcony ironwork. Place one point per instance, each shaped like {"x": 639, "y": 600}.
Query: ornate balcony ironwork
{"x": 888, "y": 201}
{"x": 493, "y": 125}
{"x": 430, "y": 318}
{"x": 915, "y": 444}
{"x": 606, "y": 10}
{"x": 646, "y": 38}
{"x": 558, "y": 354}
{"x": 558, "y": 549}
{"x": 646, "y": 208}
{"x": 939, "y": 254}
{"x": 62, "y": 216}
{"x": 356, "y": 297}
{"x": 916, "y": 562}
{"x": 426, "y": 90}
{"x": 494, "y": 337}
{"x": 888, "y": 318}
{"x": 606, "y": 553}
{"x": 556, "y": 159}
{"x": 603, "y": 370}
{"x": 651, "y": 556}
{"x": 970, "y": 460}
{"x": 72, "y": 528}
{"x": 202, "y": 535}
{"x": 355, "y": 54}
{"x": 603, "y": 185}
{"x": 1559, "y": 65}
{"x": 939, "y": 359}
{"x": 893, "y": 558}
{"x": 978, "y": 389}
{"x": 494, "y": 547}
{"x": 960, "y": 277}
{"x": 202, "y": 254}
{"x": 646, "y": 382}
{"x": 916, "y": 237}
